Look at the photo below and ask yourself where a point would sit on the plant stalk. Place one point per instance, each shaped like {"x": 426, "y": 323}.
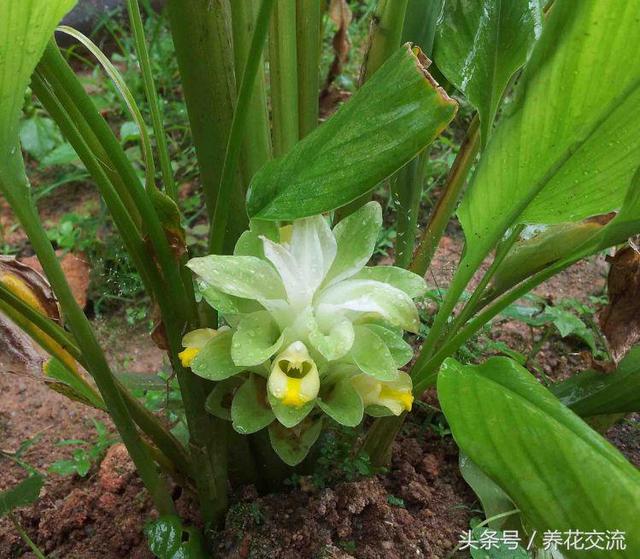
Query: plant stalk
{"x": 256, "y": 148}
{"x": 283, "y": 72}
{"x": 448, "y": 200}
{"x": 407, "y": 193}
{"x": 99, "y": 368}
{"x": 218, "y": 228}
{"x": 308, "y": 43}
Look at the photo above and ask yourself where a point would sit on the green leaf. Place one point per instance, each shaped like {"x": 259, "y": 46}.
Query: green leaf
{"x": 494, "y": 500}
{"x": 372, "y": 356}
{"x": 568, "y": 324}
{"x": 554, "y": 467}
{"x": 64, "y": 154}
{"x": 26, "y": 28}
{"x": 594, "y": 393}
{"x": 293, "y": 445}
{"x": 76, "y": 389}
{"x": 480, "y": 44}
{"x": 533, "y": 253}
{"x": 247, "y": 277}
{"x": 214, "y": 361}
{"x": 250, "y": 410}
{"x": 356, "y": 237}
{"x": 169, "y": 539}
{"x": 256, "y": 339}
{"x": 21, "y": 495}
{"x": 404, "y": 280}
{"x": 392, "y": 117}
{"x": 571, "y": 142}
{"x": 343, "y": 404}
{"x": 39, "y": 136}
{"x": 220, "y": 399}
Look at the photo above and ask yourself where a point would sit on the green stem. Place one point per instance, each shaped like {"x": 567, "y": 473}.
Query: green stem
{"x": 385, "y": 34}
{"x": 283, "y": 72}
{"x": 25, "y": 537}
{"x": 42, "y": 330}
{"x": 407, "y": 193}
{"x": 218, "y": 228}
{"x": 79, "y": 325}
{"x": 308, "y": 43}
{"x": 70, "y": 92}
{"x": 152, "y": 97}
{"x": 448, "y": 200}
{"x": 256, "y": 148}
{"x": 379, "y": 438}
{"x": 202, "y": 36}
{"x": 426, "y": 375}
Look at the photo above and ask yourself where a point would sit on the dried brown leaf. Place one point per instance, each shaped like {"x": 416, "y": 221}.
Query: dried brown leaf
{"x": 29, "y": 285}
{"x": 620, "y": 320}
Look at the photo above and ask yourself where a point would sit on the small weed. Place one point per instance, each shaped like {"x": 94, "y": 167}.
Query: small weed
{"x": 396, "y": 501}
{"x": 85, "y": 455}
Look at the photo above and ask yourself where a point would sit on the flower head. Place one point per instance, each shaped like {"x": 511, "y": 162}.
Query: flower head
{"x": 308, "y": 314}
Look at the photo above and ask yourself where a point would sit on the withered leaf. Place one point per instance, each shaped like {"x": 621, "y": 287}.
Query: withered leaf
{"x": 620, "y": 320}
{"x": 29, "y": 285}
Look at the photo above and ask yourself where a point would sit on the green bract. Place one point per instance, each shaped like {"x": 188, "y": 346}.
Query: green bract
{"x": 307, "y": 316}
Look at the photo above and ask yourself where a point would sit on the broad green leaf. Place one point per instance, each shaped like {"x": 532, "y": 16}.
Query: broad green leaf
{"x": 404, "y": 280}
{"x": 39, "y": 136}
{"x": 250, "y": 410}
{"x": 214, "y": 361}
{"x": 255, "y": 340}
{"x": 26, "y": 27}
{"x": 494, "y": 500}
{"x": 169, "y": 539}
{"x": 595, "y": 393}
{"x": 554, "y": 467}
{"x": 392, "y": 117}
{"x": 570, "y": 144}
{"x": 372, "y": 356}
{"x": 241, "y": 276}
{"x": 293, "y": 445}
{"x": 343, "y": 404}
{"x": 356, "y": 236}
{"x": 400, "y": 350}
{"x": 544, "y": 247}
{"x": 21, "y": 495}
{"x": 480, "y": 44}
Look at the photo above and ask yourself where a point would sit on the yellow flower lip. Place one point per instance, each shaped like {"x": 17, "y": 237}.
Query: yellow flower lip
{"x": 294, "y": 378}
{"x": 395, "y": 395}
{"x": 188, "y": 355}
{"x": 193, "y": 342}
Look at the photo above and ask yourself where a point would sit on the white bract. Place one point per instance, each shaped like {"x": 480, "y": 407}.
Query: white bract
{"x": 305, "y": 314}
